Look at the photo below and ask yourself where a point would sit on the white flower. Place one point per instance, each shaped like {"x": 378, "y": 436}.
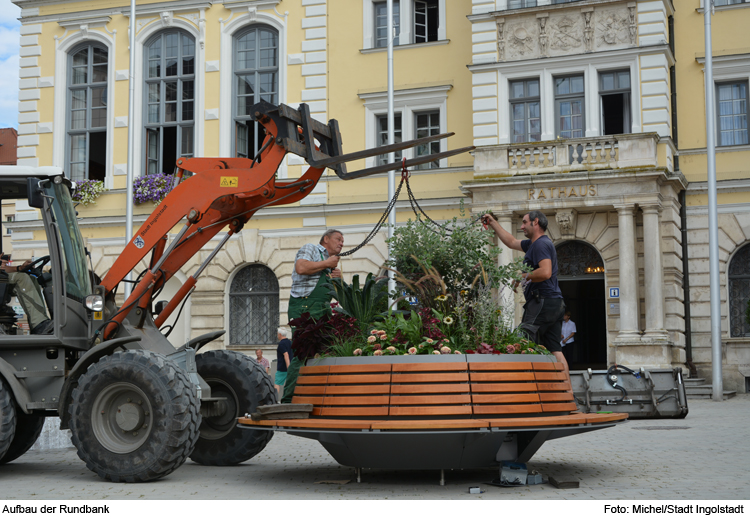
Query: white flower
{"x": 436, "y": 352}
{"x": 412, "y": 350}
{"x": 377, "y": 353}
{"x": 357, "y": 352}
{"x": 372, "y": 339}
{"x": 445, "y": 350}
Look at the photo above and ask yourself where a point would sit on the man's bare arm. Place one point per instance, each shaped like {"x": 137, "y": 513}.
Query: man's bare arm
{"x": 505, "y": 237}
{"x": 306, "y": 267}
{"x": 542, "y": 273}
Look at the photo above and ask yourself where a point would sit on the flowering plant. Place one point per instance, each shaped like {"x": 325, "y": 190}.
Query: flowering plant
{"x": 153, "y": 187}
{"x": 87, "y": 191}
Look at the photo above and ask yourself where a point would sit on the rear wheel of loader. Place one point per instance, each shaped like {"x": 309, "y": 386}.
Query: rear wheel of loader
{"x": 134, "y": 417}
{"x": 28, "y": 429}
{"x": 7, "y": 418}
{"x": 245, "y": 385}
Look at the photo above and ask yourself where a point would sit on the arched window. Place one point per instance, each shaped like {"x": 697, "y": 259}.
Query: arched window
{"x": 86, "y": 152}
{"x": 575, "y": 259}
{"x": 169, "y": 100}
{"x": 253, "y": 306}
{"x": 256, "y": 77}
{"x": 739, "y": 292}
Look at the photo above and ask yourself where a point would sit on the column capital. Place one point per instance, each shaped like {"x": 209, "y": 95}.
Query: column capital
{"x": 624, "y": 209}
{"x": 651, "y": 208}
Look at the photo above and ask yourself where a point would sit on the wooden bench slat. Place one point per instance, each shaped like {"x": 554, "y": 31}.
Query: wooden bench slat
{"x": 548, "y": 366}
{"x": 437, "y": 399}
{"x": 322, "y": 423}
{"x": 312, "y": 380}
{"x": 309, "y": 389}
{"x": 350, "y": 369}
{"x": 431, "y": 424}
{"x": 358, "y": 378}
{"x": 249, "y": 421}
{"x": 539, "y": 421}
{"x": 550, "y": 376}
{"x": 355, "y": 400}
{"x": 313, "y": 369}
{"x": 507, "y": 409}
{"x": 429, "y": 367}
{"x": 606, "y": 417}
{"x": 351, "y": 411}
{"x": 502, "y": 376}
{"x": 437, "y": 377}
{"x": 438, "y": 410}
{"x": 559, "y": 407}
{"x": 503, "y": 387}
{"x": 515, "y": 365}
{"x": 554, "y": 386}
{"x": 505, "y": 398}
{"x": 315, "y": 400}
{"x": 436, "y": 388}
{"x": 355, "y": 389}
{"x": 556, "y": 396}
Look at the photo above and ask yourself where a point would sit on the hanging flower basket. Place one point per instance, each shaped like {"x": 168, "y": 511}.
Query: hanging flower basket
{"x": 87, "y": 191}
{"x": 152, "y": 187}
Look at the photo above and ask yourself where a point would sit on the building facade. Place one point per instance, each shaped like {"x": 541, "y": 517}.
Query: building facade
{"x": 589, "y": 110}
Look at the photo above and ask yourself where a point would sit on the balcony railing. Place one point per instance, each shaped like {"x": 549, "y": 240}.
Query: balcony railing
{"x": 568, "y": 155}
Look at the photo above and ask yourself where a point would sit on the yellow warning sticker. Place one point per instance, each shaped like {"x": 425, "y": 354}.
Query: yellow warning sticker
{"x": 229, "y": 182}
{"x": 98, "y": 316}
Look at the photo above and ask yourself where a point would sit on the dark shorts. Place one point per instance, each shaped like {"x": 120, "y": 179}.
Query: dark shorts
{"x": 569, "y": 351}
{"x": 542, "y": 322}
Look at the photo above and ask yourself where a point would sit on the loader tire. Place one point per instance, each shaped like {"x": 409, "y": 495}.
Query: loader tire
{"x": 7, "y": 418}
{"x": 28, "y": 429}
{"x": 134, "y": 416}
{"x": 245, "y": 385}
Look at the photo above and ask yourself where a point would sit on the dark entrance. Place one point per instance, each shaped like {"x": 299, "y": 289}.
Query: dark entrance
{"x": 581, "y": 279}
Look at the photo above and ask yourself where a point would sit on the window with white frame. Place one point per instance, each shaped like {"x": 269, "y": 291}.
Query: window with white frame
{"x": 256, "y": 78}
{"x": 427, "y": 124}
{"x": 614, "y": 91}
{"x": 569, "y": 106}
{"x": 169, "y": 100}
{"x": 414, "y": 21}
{"x": 383, "y": 135}
{"x": 86, "y": 152}
{"x": 732, "y": 113}
{"x": 525, "y": 113}
{"x": 728, "y": 2}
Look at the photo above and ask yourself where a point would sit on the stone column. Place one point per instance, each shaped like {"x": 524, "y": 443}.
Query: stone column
{"x": 628, "y": 274}
{"x": 653, "y": 272}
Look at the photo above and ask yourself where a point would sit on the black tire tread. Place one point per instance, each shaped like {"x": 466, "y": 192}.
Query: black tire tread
{"x": 255, "y": 388}
{"x": 7, "y": 418}
{"x": 28, "y": 429}
{"x": 183, "y": 419}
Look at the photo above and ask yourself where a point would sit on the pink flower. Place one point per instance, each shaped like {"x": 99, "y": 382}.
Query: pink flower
{"x": 430, "y": 341}
{"x": 445, "y": 350}
{"x": 412, "y": 350}
{"x": 372, "y": 339}
{"x": 381, "y": 332}
{"x": 436, "y": 352}
{"x": 357, "y": 352}
{"x": 391, "y": 350}
{"x": 376, "y": 346}
{"x": 377, "y": 353}
{"x": 457, "y": 352}
{"x": 383, "y": 337}
{"x": 421, "y": 346}
{"x": 510, "y": 349}
{"x": 374, "y": 332}
{"x": 517, "y": 347}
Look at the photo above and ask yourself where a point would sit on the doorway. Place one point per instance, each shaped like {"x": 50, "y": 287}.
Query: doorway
{"x": 581, "y": 280}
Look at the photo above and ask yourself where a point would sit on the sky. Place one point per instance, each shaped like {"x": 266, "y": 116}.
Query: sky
{"x": 9, "y": 46}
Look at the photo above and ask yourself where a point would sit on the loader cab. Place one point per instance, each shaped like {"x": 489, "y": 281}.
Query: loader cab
{"x": 42, "y": 305}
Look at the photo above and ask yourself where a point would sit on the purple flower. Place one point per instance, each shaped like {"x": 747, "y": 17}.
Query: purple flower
{"x": 152, "y": 187}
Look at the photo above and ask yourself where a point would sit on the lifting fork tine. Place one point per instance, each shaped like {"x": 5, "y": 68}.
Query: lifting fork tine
{"x": 404, "y": 163}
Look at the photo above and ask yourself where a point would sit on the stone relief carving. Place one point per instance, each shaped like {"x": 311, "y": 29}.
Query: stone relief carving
{"x": 588, "y": 31}
{"x": 141, "y": 22}
{"x": 167, "y": 17}
{"x": 192, "y": 17}
{"x": 566, "y": 33}
{"x": 521, "y": 40}
{"x": 566, "y": 221}
{"x": 632, "y": 28}
{"x": 500, "y": 40}
{"x": 542, "y": 35}
{"x": 612, "y": 29}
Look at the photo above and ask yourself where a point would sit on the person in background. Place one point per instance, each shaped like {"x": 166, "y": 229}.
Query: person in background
{"x": 263, "y": 361}
{"x": 284, "y": 356}
{"x": 568, "y": 338}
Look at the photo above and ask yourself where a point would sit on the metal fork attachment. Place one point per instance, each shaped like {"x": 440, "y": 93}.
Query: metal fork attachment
{"x": 298, "y": 133}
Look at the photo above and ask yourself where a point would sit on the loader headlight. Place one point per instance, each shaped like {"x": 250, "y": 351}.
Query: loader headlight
{"x": 95, "y": 303}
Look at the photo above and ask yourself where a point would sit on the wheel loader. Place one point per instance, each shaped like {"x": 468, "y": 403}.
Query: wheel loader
{"x": 137, "y": 406}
